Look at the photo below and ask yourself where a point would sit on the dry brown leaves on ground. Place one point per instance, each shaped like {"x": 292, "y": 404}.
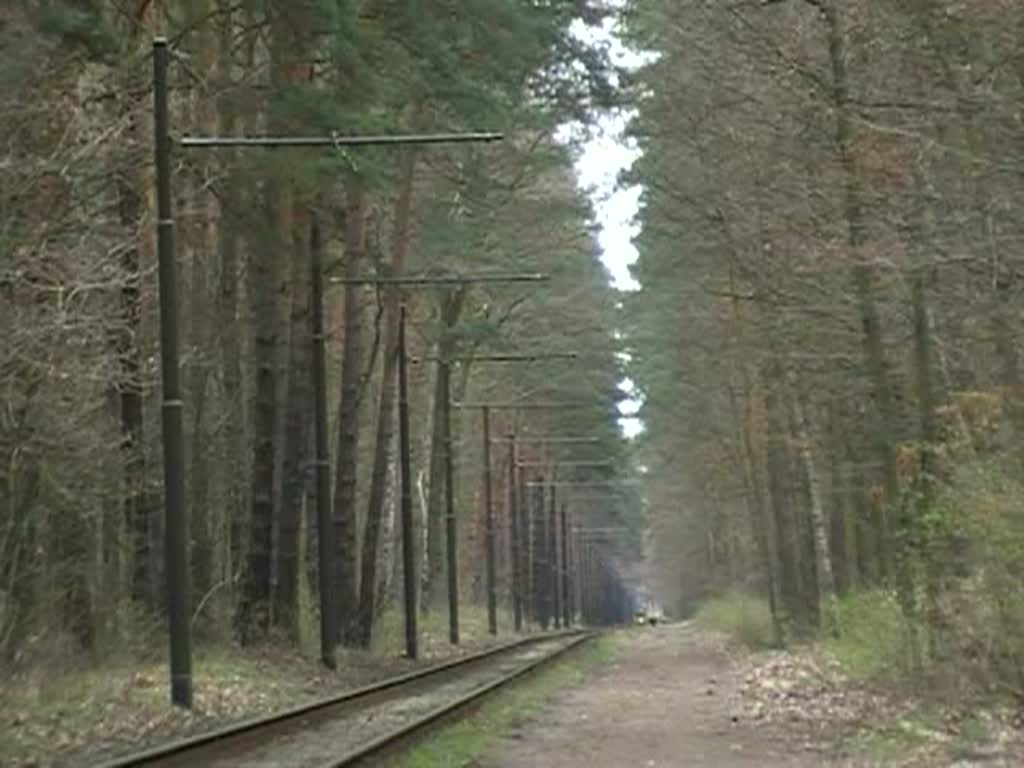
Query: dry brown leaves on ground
{"x": 806, "y": 693}
{"x": 88, "y": 716}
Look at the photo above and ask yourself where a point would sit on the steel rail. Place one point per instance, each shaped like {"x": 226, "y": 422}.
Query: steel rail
{"x": 400, "y": 736}
{"x": 180, "y": 748}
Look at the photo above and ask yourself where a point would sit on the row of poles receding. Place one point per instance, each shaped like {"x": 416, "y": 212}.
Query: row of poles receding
{"x": 567, "y": 575}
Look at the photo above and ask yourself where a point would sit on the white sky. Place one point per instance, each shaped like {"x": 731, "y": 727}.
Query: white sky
{"x": 604, "y": 156}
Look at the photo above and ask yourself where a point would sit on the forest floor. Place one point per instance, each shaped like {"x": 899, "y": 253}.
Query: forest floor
{"x": 673, "y": 695}
{"x": 57, "y": 716}
{"x": 678, "y": 696}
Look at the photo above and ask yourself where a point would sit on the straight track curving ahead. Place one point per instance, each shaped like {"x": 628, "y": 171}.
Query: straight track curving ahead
{"x": 348, "y": 729}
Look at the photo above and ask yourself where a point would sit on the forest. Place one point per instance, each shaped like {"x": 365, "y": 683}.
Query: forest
{"x": 828, "y": 329}
{"x": 83, "y": 575}
{"x": 823, "y": 335}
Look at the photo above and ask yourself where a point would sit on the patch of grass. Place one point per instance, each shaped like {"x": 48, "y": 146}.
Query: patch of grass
{"x": 466, "y": 740}
{"x": 741, "y": 616}
{"x": 875, "y": 641}
{"x": 881, "y": 745}
{"x": 389, "y": 629}
{"x": 116, "y": 706}
{"x": 974, "y": 732}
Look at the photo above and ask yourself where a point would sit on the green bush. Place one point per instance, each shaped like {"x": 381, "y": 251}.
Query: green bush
{"x": 957, "y": 621}
{"x": 876, "y": 638}
{"x": 740, "y": 615}
{"x": 978, "y": 623}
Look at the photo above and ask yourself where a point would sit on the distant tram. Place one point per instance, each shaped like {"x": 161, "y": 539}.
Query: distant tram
{"x": 649, "y": 615}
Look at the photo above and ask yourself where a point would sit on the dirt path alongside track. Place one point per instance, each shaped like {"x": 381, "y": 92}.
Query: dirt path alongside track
{"x": 664, "y": 702}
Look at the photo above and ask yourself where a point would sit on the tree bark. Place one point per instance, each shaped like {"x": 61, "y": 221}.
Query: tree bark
{"x": 539, "y": 547}
{"x": 932, "y": 548}
{"x": 840, "y": 540}
{"x": 201, "y": 242}
{"x": 388, "y": 401}
{"x": 253, "y": 610}
{"x": 230, "y": 337}
{"x": 826, "y": 587}
{"x": 137, "y": 504}
{"x": 760, "y": 520}
{"x": 298, "y": 418}
{"x": 864, "y": 282}
{"x": 791, "y": 605}
{"x": 433, "y": 590}
{"x": 269, "y": 294}
{"x": 352, "y": 385}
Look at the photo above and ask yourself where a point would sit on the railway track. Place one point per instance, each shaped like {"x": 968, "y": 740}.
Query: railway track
{"x": 351, "y": 728}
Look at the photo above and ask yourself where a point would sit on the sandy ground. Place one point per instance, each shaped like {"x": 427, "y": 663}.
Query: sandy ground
{"x": 664, "y": 702}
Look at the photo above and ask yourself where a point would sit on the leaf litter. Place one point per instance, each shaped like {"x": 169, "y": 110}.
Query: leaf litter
{"x": 806, "y": 693}
{"x": 91, "y": 715}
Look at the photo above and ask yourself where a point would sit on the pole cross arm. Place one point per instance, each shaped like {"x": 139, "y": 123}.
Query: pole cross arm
{"x": 572, "y": 484}
{"x": 336, "y": 141}
{"x": 428, "y": 279}
{"x": 523, "y": 406}
{"x": 554, "y": 439}
{"x": 594, "y": 499}
{"x": 499, "y": 358}
{"x": 567, "y": 464}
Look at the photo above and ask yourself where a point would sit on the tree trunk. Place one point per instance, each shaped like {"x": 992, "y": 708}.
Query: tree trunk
{"x": 840, "y": 540}
{"x": 864, "y": 282}
{"x": 200, "y": 241}
{"x": 254, "y": 607}
{"x": 375, "y": 513}
{"x": 230, "y": 336}
{"x": 760, "y": 521}
{"x": 857, "y": 489}
{"x": 932, "y": 547}
{"x": 388, "y": 565}
{"x": 298, "y": 418}
{"x": 352, "y": 385}
{"x": 198, "y": 476}
{"x": 137, "y": 504}
{"x": 433, "y": 590}
{"x": 388, "y": 401}
{"x": 791, "y": 606}
{"x": 826, "y": 587}
{"x": 269, "y": 294}
{"x": 541, "y": 577}
{"x": 554, "y": 605}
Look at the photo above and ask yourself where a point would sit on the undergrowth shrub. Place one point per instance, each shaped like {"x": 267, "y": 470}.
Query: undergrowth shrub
{"x": 389, "y": 629}
{"x": 958, "y": 620}
{"x": 741, "y": 616}
{"x": 875, "y": 637}
{"x": 982, "y": 605}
